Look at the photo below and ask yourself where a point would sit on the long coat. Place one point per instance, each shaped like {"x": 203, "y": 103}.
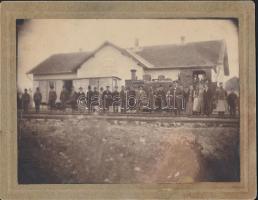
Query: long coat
{"x": 221, "y": 96}
{"x": 107, "y": 98}
{"x": 207, "y": 101}
{"x": 178, "y": 95}
{"x": 37, "y": 98}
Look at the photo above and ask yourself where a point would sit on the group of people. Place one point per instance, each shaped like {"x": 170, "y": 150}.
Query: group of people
{"x": 197, "y": 99}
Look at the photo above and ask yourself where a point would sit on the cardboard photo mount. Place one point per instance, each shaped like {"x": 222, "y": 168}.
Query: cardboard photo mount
{"x": 243, "y": 11}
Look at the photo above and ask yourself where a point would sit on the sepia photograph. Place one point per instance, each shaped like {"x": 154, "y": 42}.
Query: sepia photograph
{"x": 104, "y": 101}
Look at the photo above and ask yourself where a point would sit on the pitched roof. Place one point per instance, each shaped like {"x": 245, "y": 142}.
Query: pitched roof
{"x": 207, "y": 53}
{"x": 61, "y": 63}
{"x": 195, "y": 54}
{"x": 70, "y": 62}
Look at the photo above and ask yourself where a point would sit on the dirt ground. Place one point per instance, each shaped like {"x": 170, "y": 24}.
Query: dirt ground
{"x": 97, "y": 151}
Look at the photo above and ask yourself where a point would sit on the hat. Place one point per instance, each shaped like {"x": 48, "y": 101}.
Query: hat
{"x": 107, "y": 86}
{"x": 80, "y": 88}
{"x": 89, "y": 87}
{"x": 95, "y": 88}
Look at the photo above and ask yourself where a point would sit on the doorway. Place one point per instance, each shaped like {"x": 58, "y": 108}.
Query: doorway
{"x": 68, "y": 84}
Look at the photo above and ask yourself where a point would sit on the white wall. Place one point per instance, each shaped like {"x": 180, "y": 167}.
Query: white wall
{"x": 168, "y": 73}
{"x": 109, "y": 62}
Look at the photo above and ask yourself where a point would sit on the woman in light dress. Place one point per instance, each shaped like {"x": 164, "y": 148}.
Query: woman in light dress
{"x": 196, "y": 105}
{"x": 190, "y": 99}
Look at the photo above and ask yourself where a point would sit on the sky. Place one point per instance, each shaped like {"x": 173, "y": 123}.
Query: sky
{"x": 40, "y": 38}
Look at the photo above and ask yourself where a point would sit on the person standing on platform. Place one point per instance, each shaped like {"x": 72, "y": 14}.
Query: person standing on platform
{"x": 201, "y": 102}
{"x": 151, "y": 98}
{"x": 170, "y": 98}
{"x": 89, "y": 99}
{"x": 107, "y": 99}
{"x": 95, "y": 99}
{"x": 81, "y": 100}
{"x": 232, "y": 103}
{"x": 196, "y": 104}
{"x": 80, "y": 93}
{"x": 52, "y": 98}
{"x": 207, "y": 100}
{"x": 141, "y": 99}
{"x": 25, "y": 101}
{"x": 37, "y": 97}
{"x": 131, "y": 98}
{"x": 73, "y": 99}
{"x": 189, "y": 100}
{"x": 178, "y": 95}
{"x": 221, "y": 96}
{"x": 115, "y": 100}
{"x": 122, "y": 95}
{"x": 101, "y": 99}
{"x": 64, "y": 96}
{"x": 160, "y": 98}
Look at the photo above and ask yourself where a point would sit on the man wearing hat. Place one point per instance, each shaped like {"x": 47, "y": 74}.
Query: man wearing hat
{"x": 107, "y": 98}
{"x": 52, "y": 98}
{"x": 221, "y": 95}
{"x": 25, "y": 101}
{"x": 169, "y": 97}
{"x": 64, "y": 96}
{"x": 89, "y": 98}
{"x": 95, "y": 99}
{"x": 101, "y": 98}
{"x": 178, "y": 98}
{"x": 160, "y": 98}
{"x": 115, "y": 99}
{"x": 123, "y": 99}
{"x": 232, "y": 100}
{"x": 141, "y": 99}
{"x": 37, "y": 99}
{"x": 81, "y": 100}
{"x": 80, "y": 93}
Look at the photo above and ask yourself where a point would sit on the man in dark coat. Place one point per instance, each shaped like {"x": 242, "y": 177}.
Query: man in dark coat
{"x": 37, "y": 99}
{"x": 52, "y": 98}
{"x": 221, "y": 96}
{"x": 151, "y": 94}
{"x": 73, "y": 99}
{"x": 64, "y": 96}
{"x": 160, "y": 98}
{"x": 89, "y": 98}
{"x": 25, "y": 101}
{"x": 170, "y": 97}
{"x": 207, "y": 100}
{"x": 80, "y": 93}
{"x": 122, "y": 95}
{"x": 232, "y": 103}
{"x": 81, "y": 100}
{"x": 178, "y": 98}
{"x": 107, "y": 98}
{"x": 116, "y": 99}
{"x": 95, "y": 99}
{"x": 131, "y": 98}
{"x": 101, "y": 98}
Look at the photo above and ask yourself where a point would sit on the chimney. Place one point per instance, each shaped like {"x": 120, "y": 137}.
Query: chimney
{"x": 182, "y": 38}
{"x": 133, "y": 74}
